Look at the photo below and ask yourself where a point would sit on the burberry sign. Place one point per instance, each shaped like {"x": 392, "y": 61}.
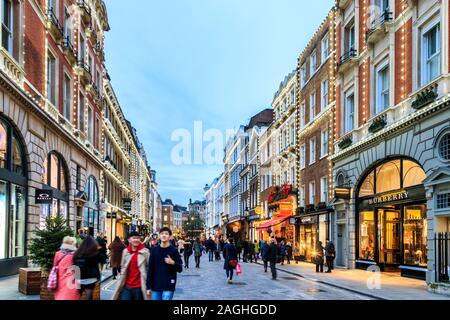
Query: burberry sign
{"x": 402, "y": 195}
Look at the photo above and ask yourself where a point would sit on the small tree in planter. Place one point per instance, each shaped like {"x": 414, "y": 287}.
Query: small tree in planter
{"x": 43, "y": 247}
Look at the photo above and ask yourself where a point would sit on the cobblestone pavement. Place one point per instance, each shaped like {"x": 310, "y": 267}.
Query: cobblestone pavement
{"x": 209, "y": 282}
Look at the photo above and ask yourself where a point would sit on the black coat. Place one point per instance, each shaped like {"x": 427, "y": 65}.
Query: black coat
{"x": 229, "y": 253}
{"x": 330, "y": 251}
{"x": 271, "y": 253}
{"x": 89, "y": 266}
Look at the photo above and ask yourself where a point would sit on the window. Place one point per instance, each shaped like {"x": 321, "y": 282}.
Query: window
{"x": 68, "y": 25}
{"x": 324, "y": 100}
{"x": 302, "y": 195}
{"x": 415, "y": 235}
{"x": 51, "y": 78}
{"x": 292, "y": 134}
{"x": 312, "y": 192}
{"x": 7, "y": 26}
{"x": 388, "y": 177}
{"x": 312, "y": 63}
{"x": 324, "y": 190}
{"x": 81, "y": 115}
{"x": 90, "y": 125}
{"x": 312, "y": 106}
{"x": 382, "y": 88}
{"x": 324, "y": 145}
{"x": 97, "y": 134}
{"x": 443, "y": 200}
{"x": 292, "y": 97}
{"x": 82, "y": 54}
{"x": 349, "y": 113}
{"x": 325, "y": 48}
{"x": 285, "y": 177}
{"x": 302, "y": 115}
{"x": 312, "y": 151}
{"x": 67, "y": 93}
{"x": 444, "y": 147}
{"x": 293, "y": 176}
{"x": 431, "y": 53}
{"x": 302, "y": 156}
{"x": 350, "y": 37}
{"x": 303, "y": 76}
{"x": 367, "y": 235}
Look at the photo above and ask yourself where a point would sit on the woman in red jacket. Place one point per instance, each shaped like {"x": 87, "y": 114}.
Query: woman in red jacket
{"x": 67, "y": 287}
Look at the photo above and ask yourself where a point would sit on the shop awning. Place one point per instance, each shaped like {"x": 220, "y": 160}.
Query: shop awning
{"x": 273, "y": 222}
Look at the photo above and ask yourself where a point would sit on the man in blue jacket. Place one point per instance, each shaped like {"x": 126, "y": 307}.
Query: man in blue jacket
{"x": 165, "y": 262}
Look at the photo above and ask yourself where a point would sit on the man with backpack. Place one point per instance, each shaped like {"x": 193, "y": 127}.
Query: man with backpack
{"x": 330, "y": 254}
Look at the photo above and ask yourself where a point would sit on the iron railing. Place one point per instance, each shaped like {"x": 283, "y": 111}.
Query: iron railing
{"x": 379, "y": 21}
{"x": 67, "y": 44}
{"x": 442, "y": 246}
{"x": 352, "y": 53}
{"x": 54, "y": 19}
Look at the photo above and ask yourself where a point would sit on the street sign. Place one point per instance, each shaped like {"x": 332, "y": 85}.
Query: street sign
{"x": 44, "y": 196}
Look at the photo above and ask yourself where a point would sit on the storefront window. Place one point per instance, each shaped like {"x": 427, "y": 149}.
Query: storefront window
{"x": 368, "y": 186}
{"x": 367, "y": 235}
{"x": 3, "y": 144}
{"x": 91, "y": 211}
{"x": 17, "y": 222}
{"x": 415, "y": 235}
{"x": 388, "y": 177}
{"x": 413, "y": 174}
{"x": 16, "y": 157}
{"x": 2, "y": 219}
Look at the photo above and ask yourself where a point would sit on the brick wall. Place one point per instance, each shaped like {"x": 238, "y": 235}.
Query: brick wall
{"x": 403, "y": 64}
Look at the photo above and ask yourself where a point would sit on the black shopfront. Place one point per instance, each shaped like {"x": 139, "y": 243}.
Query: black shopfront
{"x": 391, "y": 219}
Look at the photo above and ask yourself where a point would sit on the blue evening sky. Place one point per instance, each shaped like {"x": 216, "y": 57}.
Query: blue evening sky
{"x": 173, "y": 62}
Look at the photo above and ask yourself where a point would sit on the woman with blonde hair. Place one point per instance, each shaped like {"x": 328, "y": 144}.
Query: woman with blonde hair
{"x": 66, "y": 285}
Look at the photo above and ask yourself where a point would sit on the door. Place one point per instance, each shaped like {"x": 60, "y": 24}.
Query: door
{"x": 389, "y": 236}
{"x": 341, "y": 245}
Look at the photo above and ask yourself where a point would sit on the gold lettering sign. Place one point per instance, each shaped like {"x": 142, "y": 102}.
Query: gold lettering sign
{"x": 402, "y": 195}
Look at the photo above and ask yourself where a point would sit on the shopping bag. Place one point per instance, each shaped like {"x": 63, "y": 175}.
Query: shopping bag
{"x": 238, "y": 269}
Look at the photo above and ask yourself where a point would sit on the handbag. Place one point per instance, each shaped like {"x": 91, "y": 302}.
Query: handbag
{"x": 52, "y": 282}
{"x": 238, "y": 269}
{"x": 233, "y": 263}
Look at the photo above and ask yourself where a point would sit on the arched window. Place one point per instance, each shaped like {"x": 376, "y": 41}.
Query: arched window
{"x": 54, "y": 177}
{"x": 392, "y": 175}
{"x": 13, "y": 193}
{"x": 91, "y": 214}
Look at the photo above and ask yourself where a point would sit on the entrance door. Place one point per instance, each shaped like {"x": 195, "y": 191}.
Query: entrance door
{"x": 341, "y": 245}
{"x": 389, "y": 236}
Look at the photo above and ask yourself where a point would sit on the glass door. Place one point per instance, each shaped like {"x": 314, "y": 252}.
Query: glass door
{"x": 389, "y": 233}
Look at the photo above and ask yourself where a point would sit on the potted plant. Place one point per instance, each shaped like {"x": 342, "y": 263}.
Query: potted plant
{"x": 44, "y": 246}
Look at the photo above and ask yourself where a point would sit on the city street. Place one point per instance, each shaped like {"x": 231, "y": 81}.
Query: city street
{"x": 209, "y": 282}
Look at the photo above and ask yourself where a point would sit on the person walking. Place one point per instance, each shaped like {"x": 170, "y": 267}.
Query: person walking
{"x": 217, "y": 251}
{"x": 251, "y": 251}
{"x": 197, "y": 252}
{"x": 257, "y": 251}
{"x": 288, "y": 252}
{"x": 135, "y": 257}
{"x": 272, "y": 257}
{"x": 245, "y": 249}
{"x": 209, "y": 244}
{"x": 187, "y": 252}
{"x": 116, "y": 250}
{"x": 180, "y": 246}
{"x": 239, "y": 249}
{"x": 103, "y": 251}
{"x": 231, "y": 259}
{"x": 282, "y": 249}
{"x": 319, "y": 257}
{"x": 66, "y": 288}
{"x": 165, "y": 262}
{"x": 264, "y": 248}
{"x": 330, "y": 254}
{"x": 88, "y": 258}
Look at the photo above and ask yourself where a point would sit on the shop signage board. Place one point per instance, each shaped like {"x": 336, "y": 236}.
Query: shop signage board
{"x": 399, "y": 196}
{"x": 342, "y": 193}
{"x": 127, "y": 204}
{"x": 309, "y": 220}
{"x": 44, "y": 196}
{"x": 395, "y": 196}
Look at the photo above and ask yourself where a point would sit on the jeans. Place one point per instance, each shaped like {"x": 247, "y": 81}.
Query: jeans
{"x": 265, "y": 265}
{"x": 186, "y": 261}
{"x": 319, "y": 266}
{"x": 273, "y": 269}
{"x": 131, "y": 294}
{"x": 162, "y": 295}
{"x": 229, "y": 273}
{"x": 211, "y": 255}
{"x": 197, "y": 261}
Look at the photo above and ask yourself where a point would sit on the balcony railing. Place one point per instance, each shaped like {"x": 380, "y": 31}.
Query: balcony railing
{"x": 352, "y": 53}
{"x": 54, "y": 25}
{"x": 85, "y": 71}
{"x": 69, "y": 50}
{"x": 377, "y": 26}
{"x": 99, "y": 51}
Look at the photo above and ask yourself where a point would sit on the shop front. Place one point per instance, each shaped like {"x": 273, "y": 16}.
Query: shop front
{"x": 391, "y": 219}
{"x": 310, "y": 229}
{"x": 237, "y": 228}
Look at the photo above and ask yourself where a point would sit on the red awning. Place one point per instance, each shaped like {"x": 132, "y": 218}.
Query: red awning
{"x": 273, "y": 222}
